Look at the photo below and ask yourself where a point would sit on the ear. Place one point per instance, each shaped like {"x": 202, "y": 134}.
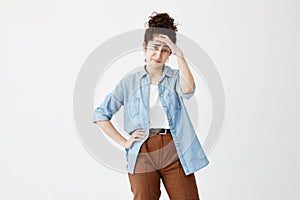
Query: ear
{"x": 144, "y": 47}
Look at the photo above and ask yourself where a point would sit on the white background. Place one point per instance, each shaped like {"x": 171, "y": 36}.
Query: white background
{"x": 254, "y": 45}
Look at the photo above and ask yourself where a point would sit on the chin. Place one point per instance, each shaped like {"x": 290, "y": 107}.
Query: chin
{"x": 156, "y": 65}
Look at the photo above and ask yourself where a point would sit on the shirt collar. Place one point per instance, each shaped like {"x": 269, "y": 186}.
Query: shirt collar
{"x": 166, "y": 71}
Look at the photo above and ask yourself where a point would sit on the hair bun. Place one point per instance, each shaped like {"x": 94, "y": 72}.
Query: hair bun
{"x": 162, "y": 20}
{"x": 160, "y": 23}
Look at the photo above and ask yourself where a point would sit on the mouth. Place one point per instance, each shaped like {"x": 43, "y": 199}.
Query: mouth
{"x": 156, "y": 61}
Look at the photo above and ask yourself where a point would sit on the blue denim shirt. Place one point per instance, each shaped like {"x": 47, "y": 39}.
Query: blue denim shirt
{"x": 133, "y": 93}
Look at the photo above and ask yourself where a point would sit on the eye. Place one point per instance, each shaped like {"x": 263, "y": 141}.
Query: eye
{"x": 166, "y": 50}
{"x": 155, "y": 47}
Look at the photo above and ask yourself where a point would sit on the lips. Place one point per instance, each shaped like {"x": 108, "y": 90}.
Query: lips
{"x": 156, "y": 61}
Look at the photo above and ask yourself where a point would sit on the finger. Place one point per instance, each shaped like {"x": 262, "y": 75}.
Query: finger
{"x": 165, "y": 37}
{"x": 138, "y": 132}
{"x": 162, "y": 40}
{"x": 165, "y": 40}
{"x": 141, "y": 135}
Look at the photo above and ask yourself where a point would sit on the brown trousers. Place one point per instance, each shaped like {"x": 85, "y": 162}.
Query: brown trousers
{"x": 157, "y": 160}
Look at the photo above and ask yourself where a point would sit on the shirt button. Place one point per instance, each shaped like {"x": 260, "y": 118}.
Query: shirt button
{"x": 161, "y": 94}
{"x": 177, "y": 142}
{"x": 173, "y": 130}
{"x": 170, "y": 117}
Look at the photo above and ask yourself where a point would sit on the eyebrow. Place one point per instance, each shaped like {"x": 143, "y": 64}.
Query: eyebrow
{"x": 155, "y": 44}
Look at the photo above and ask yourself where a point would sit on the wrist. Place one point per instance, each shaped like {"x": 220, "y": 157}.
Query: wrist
{"x": 180, "y": 55}
{"x": 123, "y": 144}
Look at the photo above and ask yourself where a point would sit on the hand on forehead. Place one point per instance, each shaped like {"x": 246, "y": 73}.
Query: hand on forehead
{"x": 159, "y": 39}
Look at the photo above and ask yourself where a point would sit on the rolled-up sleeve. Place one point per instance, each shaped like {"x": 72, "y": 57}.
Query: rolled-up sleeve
{"x": 179, "y": 90}
{"x": 110, "y": 105}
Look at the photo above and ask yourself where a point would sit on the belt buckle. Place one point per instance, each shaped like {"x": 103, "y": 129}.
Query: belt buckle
{"x": 164, "y": 133}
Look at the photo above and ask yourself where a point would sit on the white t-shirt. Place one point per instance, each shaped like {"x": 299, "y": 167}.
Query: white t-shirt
{"x": 157, "y": 115}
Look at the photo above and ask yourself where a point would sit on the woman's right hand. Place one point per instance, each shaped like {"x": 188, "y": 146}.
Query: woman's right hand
{"x": 139, "y": 133}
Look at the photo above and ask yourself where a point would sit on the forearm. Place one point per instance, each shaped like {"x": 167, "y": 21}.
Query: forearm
{"x": 111, "y": 131}
{"x": 186, "y": 79}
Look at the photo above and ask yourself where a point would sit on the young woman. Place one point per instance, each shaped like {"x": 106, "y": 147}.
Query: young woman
{"x": 163, "y": 144}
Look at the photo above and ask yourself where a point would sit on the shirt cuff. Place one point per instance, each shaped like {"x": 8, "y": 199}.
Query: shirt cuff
{"x": 187, "y": 95}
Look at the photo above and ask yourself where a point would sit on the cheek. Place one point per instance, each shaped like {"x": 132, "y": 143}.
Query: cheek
{"x": 149, "y": 54}
{"x": 165, "y": 57}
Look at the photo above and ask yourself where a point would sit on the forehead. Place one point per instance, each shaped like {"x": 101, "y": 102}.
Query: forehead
{"x": 155, "y": 40}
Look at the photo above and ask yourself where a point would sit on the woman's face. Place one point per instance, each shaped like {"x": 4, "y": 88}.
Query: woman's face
{"x": 156, "y": 53}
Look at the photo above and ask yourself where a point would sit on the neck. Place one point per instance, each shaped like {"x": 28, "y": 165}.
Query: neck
{"x": 154, "y": 71}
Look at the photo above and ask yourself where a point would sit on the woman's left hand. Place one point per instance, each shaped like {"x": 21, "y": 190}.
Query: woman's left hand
{"x": 174, "y": 48}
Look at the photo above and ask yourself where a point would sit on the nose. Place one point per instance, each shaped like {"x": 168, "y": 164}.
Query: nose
{"x": 158, "y": 52}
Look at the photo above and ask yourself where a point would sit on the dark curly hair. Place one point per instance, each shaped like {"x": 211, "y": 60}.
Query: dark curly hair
{"x": 160, "y": 23}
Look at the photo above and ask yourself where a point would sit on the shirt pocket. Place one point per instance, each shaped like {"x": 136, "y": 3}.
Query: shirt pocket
{"x": 134, "y": 106}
